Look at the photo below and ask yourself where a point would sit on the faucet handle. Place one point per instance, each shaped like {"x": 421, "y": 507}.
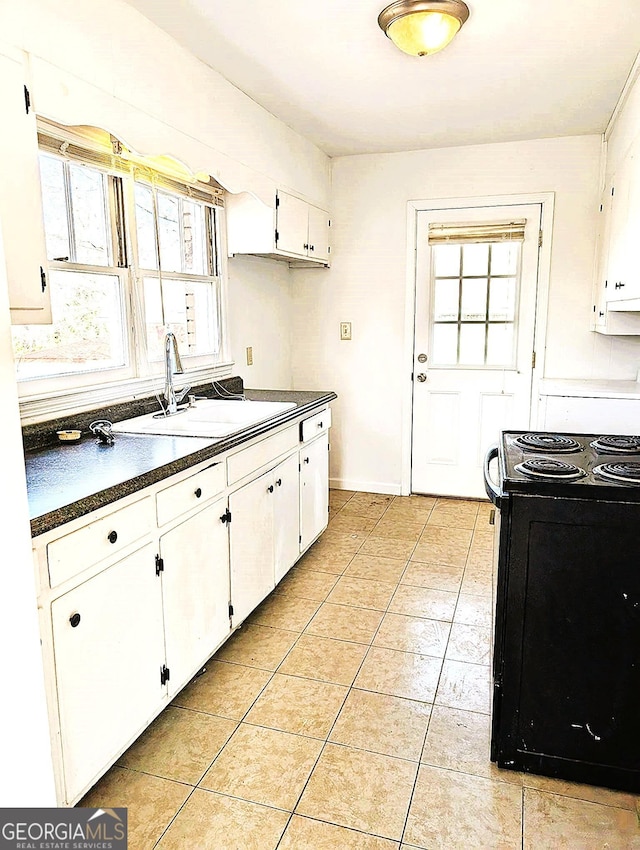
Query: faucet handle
{"x": 182, "y": 394}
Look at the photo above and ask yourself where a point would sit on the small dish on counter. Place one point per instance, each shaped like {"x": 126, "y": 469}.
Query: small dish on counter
{"x": 68, "y": 435}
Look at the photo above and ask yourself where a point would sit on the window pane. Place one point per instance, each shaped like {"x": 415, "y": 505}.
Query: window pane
{"x": 153, "y": 318}
{"x": 87, "y": 333}
{"x": 145, "y": 228}
{"x": 168, "y": 224}
{"x": 89, "y": 213}
{"x": 504, "y": 257}
{"x": 502, "y": 299}
{"x": 472, "y": 339}
{"x": 444, "y": 351}
{"x": 446, "y": 300}
{"x": 54, "y": 207}
{"x": 500, "y": 345}
{"x": 446, "y": 260}
{"x": 475, "y": 259}
{"x": 195, "y": 254}
{"x": 474, "y": 299}
{"x": 202, "y": 318}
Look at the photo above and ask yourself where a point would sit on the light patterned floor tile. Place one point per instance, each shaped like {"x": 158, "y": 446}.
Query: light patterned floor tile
{"x": 362, "y": 593}
{"x": 381, "y": 723}
{"x": 263, "y": 766}
{"x": 324, "y": 659}
{"x": 436, "y": 576}
{"x": 180, "y": 744}
{"x": 565, "y": 823}
{"x": 473, "y": 610}
{"x": 466, "y": 686}
{"x": 344, "y": 622}
{"x": 152, "y": 802}
{"x": 227, "y": 690}
{"x": 455, "y": 810}
{"x": 301, "y": 706}
{"x": 284, "y": 611}
{"x": 413, "y": 634}
{"x": 402, "y": 674}
{"x": 224, "y": 823}
{"x": 307, "y": 584}
{"x": 307, "y": 834}
{"x": 257, "y": 646}
{"x": 376, "y": 567}
{"x": 424, "y": 602}
{"x": 469, "y": 643}
{"x": 387, "y": 547}
{"x": 360, "y": 790}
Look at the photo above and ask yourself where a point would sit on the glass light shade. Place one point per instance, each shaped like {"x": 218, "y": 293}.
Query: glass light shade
{"x": 423, "y": 33}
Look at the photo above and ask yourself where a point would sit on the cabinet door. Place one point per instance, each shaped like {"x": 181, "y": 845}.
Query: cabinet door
{"x": 319, "y": 227}
{"x": 314, "y": 490}
{"x": 286, "y": 516}
{"x": 107, "y": 664}
{"x": 617, "y": 271}
{"x": 292, "y": 225}
{"x": 195, "y": 591}
{"x": 21, "y": 201}
{"x": 601, "y": 284}
{"x": 251, "y": 545}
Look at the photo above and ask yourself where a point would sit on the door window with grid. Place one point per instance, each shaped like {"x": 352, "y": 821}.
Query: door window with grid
{"x": 475, "y": 282}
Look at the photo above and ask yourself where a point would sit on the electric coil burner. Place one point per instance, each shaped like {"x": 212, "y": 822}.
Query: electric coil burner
{"x": 616, "y": 445}
{"x": 627, "y": 471}
{"x": 554, "y": 443}
{"x": 549, "y": 467}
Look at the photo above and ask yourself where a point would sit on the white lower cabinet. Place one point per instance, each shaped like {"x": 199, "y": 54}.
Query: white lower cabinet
{"x": 108, "y": 647}
{"x": 314, "y": 490}
{"x": 138, "y": 596}
{"x": 195, "y": 590}
{"x": 264, "y": 535}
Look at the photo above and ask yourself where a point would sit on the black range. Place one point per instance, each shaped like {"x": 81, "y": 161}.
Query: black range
{"x": 566, "y": 655}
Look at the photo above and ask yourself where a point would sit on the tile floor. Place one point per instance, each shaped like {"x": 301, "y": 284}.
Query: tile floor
{"x": 351, "y": 711}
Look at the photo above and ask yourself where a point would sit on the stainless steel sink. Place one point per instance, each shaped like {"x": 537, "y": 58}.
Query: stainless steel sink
{"x": 214, "y": 418}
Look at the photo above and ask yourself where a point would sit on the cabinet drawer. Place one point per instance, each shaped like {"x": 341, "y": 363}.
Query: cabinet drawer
{"x": 248, "y": 460}
{"x": 69, "y": 555}
{"x": 314, "y": 425}
{"x": 195, "y": 490}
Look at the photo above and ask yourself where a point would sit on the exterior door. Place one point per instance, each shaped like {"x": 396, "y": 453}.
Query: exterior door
{"x": 476, "y": 288}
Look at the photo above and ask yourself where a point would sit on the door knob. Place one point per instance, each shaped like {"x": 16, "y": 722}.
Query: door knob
{"x": 422, "y": 358}
{"x": 421, "y": 377}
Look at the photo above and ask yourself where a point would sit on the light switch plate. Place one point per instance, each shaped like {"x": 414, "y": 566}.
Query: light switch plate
{"x": 249, "y": 355}
{"x": 345, "y": 330}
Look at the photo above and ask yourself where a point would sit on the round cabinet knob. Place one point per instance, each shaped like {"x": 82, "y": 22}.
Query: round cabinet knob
{"x": 279, "y": 482}
{"x": 320, "y": 424}
{"x": 198, "y": 492}
{"x": 422, "y": 358}
{"x": 270, "y": 488}
{"x": 306, "y": 460}
{"x": 421, "y": 377}
{"x": 112, "y": 536}
{"x": 74, "y": 619}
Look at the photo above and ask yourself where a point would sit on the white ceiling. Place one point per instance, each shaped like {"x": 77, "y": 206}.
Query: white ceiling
{"x": 519, "y": 69}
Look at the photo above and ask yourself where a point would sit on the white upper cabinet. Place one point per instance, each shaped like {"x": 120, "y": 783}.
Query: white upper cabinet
{"x": 21, "y": 199}
{"x": 292, "y": 230}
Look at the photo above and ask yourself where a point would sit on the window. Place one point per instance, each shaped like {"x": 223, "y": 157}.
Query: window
{"x": 474, "y": 296}
{"x": 132, "y": 253}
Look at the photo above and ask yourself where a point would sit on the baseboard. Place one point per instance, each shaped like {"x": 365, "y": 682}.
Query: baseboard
{"x": 365, "y": 486}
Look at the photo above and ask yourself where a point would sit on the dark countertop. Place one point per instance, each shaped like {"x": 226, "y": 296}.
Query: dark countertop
{"x": 69, "y": 480}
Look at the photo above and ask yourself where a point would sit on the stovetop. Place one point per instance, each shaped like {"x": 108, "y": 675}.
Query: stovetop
{"x": 589, "y": 466}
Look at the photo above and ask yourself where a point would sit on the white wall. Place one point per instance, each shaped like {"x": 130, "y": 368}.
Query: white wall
{"x": 261, "y": 316}
{"x": 367, "y": 284}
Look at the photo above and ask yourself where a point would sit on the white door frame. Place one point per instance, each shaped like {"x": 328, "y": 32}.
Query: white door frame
{"x": 547, "y": 201}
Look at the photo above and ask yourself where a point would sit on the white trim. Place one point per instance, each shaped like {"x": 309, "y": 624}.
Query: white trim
{"x": 364, "y": 486}
{"x": 634, "y": 73}
{"x": 547, "y": 201}
{"x": 70, "y": 401}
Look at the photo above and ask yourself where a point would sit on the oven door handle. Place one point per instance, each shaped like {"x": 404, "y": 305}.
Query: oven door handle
{"x": 494, "y": 492}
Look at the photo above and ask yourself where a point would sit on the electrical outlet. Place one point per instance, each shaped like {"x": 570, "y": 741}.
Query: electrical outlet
{"x": 249, "y": 355}
{"x": 345, "y": 330}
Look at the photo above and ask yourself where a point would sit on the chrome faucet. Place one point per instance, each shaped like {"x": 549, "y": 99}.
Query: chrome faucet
{"x": 172, "y": 365}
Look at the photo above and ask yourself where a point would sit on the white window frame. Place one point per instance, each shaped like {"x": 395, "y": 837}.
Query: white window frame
{"x": 43, "y": 398}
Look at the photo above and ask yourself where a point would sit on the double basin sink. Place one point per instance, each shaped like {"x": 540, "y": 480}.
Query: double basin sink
{"x": 215, "y": 418}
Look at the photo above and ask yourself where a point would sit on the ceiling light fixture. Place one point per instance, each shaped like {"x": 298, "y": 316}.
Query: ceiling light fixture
{"x": 422, "y": 27}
